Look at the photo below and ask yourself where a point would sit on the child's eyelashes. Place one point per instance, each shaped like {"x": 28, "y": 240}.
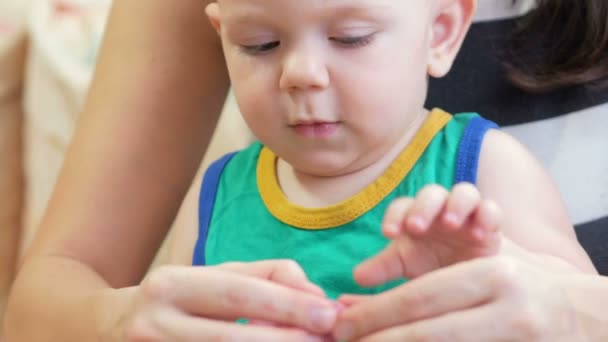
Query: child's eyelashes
{"x": 260, "y": 49}
{"x": 346, "y": 42}
{"x": 353, "y": 42}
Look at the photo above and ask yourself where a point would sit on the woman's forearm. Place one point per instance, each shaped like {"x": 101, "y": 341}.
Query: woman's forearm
{"x": 59, "y": 299}
{"x": 158, "y": 89}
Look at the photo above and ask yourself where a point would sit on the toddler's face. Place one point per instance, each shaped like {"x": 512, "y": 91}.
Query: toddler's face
{"x": 328, "y": 85}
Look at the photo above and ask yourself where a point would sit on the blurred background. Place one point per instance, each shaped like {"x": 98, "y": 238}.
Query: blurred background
{"x": 48, "y": 50}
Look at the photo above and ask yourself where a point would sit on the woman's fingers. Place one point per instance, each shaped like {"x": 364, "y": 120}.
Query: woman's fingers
{"x": 215, "y": 293}
{"x": 168, "y": 324}
{"x": 472, "y": 325}
{"x": 490, "y": 299}
{"x": 522, "y": 310}
{"x": 284, "y": 272}
{"x": 470, "y": 284}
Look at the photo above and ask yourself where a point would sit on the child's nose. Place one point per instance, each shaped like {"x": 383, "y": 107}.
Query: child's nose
{"x": 304, "y": 70}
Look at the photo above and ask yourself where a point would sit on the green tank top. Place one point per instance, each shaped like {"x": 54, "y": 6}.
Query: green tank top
{"x": 251, "y": 219}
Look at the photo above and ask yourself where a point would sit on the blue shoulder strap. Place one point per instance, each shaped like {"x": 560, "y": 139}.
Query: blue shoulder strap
{"x": 206, "y": 202}
{"x": 469, "y": 148}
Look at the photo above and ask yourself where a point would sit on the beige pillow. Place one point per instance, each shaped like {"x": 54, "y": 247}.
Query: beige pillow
{"x": 62, "y": 49}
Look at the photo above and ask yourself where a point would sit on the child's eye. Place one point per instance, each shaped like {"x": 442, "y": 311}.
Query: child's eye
{"x": 353, "y": 42}
{"x": 259, "y": 49}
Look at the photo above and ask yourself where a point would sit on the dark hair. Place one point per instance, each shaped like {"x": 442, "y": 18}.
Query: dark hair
{"x": 560, "y": 43}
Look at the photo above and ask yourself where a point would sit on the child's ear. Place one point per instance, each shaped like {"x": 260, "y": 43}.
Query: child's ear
{"x": 451, "y": 21}
{"x": 213, "y": 13}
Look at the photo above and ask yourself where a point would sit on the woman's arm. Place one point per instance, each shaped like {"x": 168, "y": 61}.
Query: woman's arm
{"x": 154, "y": 101}
{"x": 11, "y": 195}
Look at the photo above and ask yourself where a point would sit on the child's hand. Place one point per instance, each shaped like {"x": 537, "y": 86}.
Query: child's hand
{"x": 436, "y": 229}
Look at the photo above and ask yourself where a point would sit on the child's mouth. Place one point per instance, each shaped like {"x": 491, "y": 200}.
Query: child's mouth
{"x": 316, "y": 129}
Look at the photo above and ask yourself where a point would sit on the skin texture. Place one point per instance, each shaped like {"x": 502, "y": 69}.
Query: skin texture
{"x": 285, "y": 76}
{"x": 314, "y": 75}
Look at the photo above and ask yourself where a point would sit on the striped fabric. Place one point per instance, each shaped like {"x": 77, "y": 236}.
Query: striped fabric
{"x": 565, "y": 129}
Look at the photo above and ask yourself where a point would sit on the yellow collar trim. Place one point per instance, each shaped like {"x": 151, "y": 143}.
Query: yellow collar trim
{"x": 350, "y": 209}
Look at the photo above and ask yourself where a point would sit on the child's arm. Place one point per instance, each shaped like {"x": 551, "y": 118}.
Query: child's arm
{"x": 535, "y": 217}
{"x": 158, "y": 88}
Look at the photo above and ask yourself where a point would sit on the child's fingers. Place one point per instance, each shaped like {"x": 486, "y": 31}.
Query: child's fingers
{"x": 428, "y": 204}
{"x": 487, "y": 220}
{"x": 489, "y": 215}
{"x": 382, "y": 268}
{"x": 394, "y": 216}
{"x": 463, "y": 202}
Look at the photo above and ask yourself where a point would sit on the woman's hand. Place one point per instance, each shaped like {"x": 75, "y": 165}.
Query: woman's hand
{"x": 489, "y": 299}
{"x": 202, "y": 304}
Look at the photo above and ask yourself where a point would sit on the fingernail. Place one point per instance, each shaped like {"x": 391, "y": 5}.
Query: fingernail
{"x": 323, "y": 318}
{"x": 392, "y": 229}
{"x": 344, "y": 331}
{"x": 452, "y": 219}
{"x": 418, "y": 223}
